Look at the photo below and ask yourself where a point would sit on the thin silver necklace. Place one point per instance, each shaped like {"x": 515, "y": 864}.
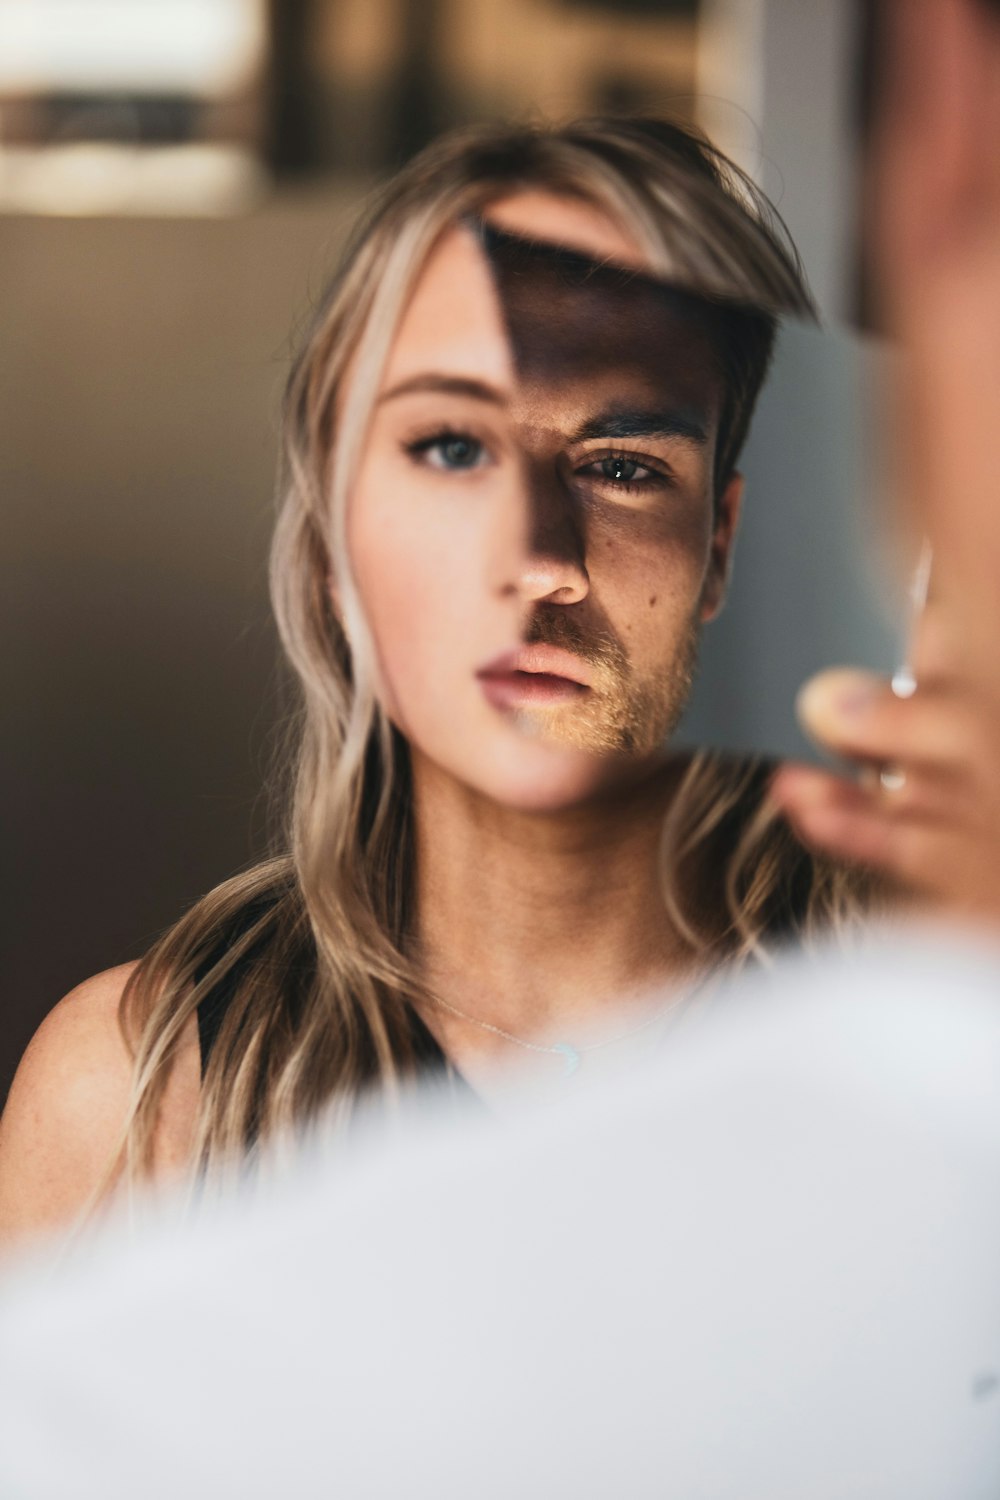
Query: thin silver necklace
{"x": 572, "y": 1056}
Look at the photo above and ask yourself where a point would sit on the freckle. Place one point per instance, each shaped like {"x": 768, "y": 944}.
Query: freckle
{"x": 652, "y": 600}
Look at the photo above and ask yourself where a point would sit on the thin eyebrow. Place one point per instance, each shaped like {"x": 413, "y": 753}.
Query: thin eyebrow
{"x": 448, "y": 385}
{"x": 626, "y": 422}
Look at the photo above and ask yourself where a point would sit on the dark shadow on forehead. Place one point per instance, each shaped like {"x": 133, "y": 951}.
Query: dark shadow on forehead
{"x": 573, "y": 319}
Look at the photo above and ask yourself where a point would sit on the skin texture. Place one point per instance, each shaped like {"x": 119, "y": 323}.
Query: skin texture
{"x": 537, "y": 829}
{"x": 935, "y": 216}
{"x": 66, "y": 1107}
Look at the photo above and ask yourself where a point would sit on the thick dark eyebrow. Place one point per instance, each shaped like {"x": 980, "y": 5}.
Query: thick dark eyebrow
{"x": 630, "y": 422}
{"x": 614, "y": 422}
{"x": 448, "y": 385}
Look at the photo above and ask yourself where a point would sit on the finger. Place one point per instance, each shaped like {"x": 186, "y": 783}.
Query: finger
{"x": 796, "y": 787}
{"x": 832, "y": 815}
{"x": 908, "y": 795}
{"x": 842, "y": 821}
{"x": 955, "y": 862}
{"x": 857, "y": 715}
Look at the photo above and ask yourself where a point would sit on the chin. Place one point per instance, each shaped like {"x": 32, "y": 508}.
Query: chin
{"x": 547, "y": 779}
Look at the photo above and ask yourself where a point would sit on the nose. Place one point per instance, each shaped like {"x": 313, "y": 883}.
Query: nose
{"x": 547, "y": 561}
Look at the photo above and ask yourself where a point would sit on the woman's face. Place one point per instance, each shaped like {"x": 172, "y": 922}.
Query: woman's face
{"x": 532, "y": 529}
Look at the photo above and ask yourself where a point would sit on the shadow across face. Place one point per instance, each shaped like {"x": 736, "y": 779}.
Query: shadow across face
{"x": 619, "y": 390}
{"x": 573, "y": 318}
{"x": 570, "y": 316}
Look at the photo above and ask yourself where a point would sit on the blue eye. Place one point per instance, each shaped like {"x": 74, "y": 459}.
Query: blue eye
{"x": 460, "y": 452}
{"x": 449, "y": 451}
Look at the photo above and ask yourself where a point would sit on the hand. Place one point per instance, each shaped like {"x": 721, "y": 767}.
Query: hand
{"x": 935, "y": 220}
{"x": 925, "y": 810}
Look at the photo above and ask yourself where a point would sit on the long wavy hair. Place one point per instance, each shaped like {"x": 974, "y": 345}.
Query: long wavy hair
{"x": 312, "y": 945}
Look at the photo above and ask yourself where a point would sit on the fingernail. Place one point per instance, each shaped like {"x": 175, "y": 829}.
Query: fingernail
{"x": 855, "y": 700}
{"x": 829, "y": 696}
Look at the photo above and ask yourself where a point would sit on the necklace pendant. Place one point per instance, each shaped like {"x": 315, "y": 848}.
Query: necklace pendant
{"x": 570, "y": 1056}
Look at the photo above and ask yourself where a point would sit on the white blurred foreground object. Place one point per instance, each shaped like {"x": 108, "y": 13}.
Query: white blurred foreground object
{"x": 765, "y": 1265}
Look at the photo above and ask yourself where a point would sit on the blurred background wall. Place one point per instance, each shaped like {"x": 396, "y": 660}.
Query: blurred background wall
{"x": 175, "y": 178}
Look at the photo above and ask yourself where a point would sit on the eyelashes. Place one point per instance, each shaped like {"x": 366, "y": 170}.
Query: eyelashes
{"x": 454, "y": 450}
{"x": 625, "y": 472}
{"x": 449, "y": 450}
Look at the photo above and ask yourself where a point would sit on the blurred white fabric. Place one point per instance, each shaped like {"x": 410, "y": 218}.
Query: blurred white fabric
{"x": 764, "y": 1264}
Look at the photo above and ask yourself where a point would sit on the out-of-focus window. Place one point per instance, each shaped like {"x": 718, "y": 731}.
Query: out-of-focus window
{"x": 196, "y": 105}
{"x": 389, "y": 74}
{"x": 131, "y": 105}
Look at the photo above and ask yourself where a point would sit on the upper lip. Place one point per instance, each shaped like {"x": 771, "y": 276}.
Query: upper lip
{"x": 553, "y": 661}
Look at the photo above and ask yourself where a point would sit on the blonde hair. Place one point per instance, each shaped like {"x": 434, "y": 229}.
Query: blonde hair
{"x": 312, "y": 945}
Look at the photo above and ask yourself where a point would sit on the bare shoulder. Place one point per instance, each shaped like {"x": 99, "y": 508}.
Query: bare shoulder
{"x": 61, "y": 1126}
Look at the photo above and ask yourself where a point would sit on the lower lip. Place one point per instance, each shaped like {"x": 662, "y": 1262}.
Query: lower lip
{"x": 530, "y": 689}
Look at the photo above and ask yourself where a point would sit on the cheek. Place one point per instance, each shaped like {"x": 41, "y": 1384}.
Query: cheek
{"x": 408, "y": 563}
{"x": 649, "y": 575}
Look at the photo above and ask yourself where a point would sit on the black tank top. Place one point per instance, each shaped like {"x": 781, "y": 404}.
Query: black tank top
{"x": 211, "y": 1012}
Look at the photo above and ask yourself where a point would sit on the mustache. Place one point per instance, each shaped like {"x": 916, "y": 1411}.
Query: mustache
{"x": 555, "y": 625}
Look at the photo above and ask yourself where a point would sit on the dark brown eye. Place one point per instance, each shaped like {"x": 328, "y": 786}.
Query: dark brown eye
{"x": 619, "y": 470}
{"x": 623, "y": 474}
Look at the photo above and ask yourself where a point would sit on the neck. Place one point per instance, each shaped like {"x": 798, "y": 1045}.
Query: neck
{"x": 537, "y": 923}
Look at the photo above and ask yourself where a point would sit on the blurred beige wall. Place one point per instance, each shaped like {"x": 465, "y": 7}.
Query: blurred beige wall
{"x": 141, "y": 367}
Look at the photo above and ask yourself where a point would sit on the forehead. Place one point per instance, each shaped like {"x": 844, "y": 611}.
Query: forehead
{"x": 453, "y": 323}
{"x": 545, "y": 297}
